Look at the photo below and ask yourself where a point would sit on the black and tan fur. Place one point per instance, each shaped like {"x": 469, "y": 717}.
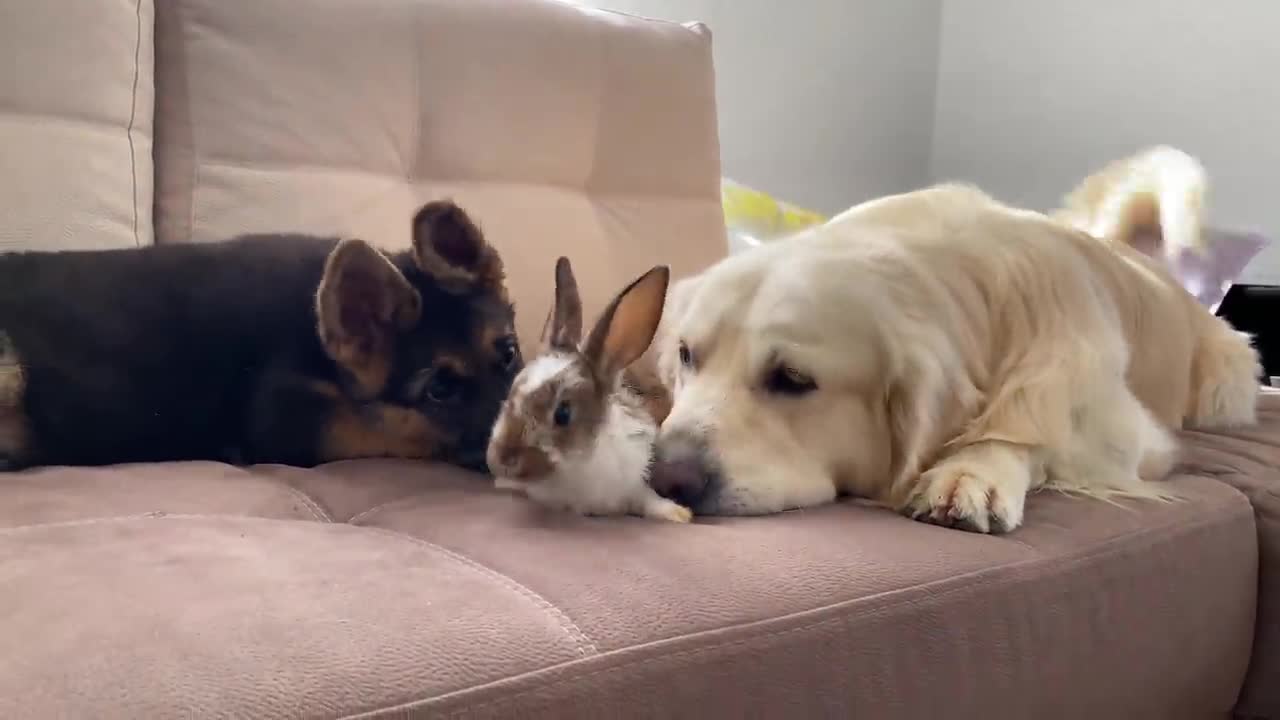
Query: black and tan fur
{"x": 265, "y": 348}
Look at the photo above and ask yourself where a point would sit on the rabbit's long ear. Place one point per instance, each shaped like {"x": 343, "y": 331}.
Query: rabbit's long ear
{"x": 563, "y": 329}
{"x": 627, "y": 325}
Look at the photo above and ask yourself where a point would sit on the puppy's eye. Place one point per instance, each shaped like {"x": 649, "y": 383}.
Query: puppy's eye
{"x": 686, "y": 356}
{"x": 563, "y": 414}
{"x": 783, "y": 380}
{"x": 444, "y": 386}
{"x": 508, "y": 351}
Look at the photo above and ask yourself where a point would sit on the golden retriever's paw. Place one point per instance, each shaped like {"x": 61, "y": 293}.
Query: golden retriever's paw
{"x": 968, "y": 497}
{"x": 659, "y": 508}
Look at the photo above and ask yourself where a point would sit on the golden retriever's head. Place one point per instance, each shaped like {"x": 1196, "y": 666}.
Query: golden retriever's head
{"x": 791, "y": 379}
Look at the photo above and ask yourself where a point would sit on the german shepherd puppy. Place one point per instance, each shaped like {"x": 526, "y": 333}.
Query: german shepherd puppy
{"x": 265, "y": 348}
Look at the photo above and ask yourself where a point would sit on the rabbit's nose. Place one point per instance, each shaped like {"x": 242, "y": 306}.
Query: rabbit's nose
{"x": 520, "y": 462}
{"x": 497, "y": 459}
{"x": 509, "y": 458}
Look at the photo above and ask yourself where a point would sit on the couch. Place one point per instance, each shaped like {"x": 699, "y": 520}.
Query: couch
{"x": 380, "y": 588}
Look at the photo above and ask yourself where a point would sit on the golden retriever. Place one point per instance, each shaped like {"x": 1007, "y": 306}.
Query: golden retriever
{"x": 945, "y": 354}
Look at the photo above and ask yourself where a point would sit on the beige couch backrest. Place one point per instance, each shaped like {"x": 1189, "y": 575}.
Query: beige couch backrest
{"x": 562, "y": 129}
{"x": 75, "y": 124}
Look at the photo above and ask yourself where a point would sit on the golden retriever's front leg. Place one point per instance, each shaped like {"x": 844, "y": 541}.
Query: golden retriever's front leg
{"x": 981, "y": 487}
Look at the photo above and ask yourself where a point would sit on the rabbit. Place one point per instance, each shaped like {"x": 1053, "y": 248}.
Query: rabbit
{"x": 572, "y": 435}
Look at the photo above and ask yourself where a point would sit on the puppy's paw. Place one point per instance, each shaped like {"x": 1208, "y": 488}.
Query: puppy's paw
{"x": 968, "y": 496}
{"x": 663, "y": 509}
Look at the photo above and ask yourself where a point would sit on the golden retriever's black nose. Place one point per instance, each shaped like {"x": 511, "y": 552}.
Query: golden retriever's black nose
{"x": 680, "y": 470}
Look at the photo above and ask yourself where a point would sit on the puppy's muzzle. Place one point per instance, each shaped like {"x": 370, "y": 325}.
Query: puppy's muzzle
{"x": 683, "y": 470}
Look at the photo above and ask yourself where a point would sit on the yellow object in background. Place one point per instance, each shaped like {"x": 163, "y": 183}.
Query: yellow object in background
{"x": 761, "y": 216}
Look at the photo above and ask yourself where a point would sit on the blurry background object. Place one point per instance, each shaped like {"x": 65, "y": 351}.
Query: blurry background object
{"x": 753, "y": 216}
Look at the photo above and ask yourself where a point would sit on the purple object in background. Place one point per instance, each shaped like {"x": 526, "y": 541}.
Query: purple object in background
{"x": 1208, "y": 277}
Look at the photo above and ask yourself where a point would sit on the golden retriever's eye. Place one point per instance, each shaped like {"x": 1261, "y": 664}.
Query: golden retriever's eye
{"x": 783, "y": 380}
{"x": 686, "y": 357}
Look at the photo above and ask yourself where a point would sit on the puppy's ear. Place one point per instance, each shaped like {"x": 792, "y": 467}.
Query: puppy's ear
{"x": 362, "y": 302}
{"x": 627, "y": 325}
{"x": 563, "y": 329}
{"x": 448, "y": 246}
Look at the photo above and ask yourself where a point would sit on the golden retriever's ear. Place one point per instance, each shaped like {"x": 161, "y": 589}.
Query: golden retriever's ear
{"x": 448, "y": 246}
{"x": 667, "y": 362}
{"x": 362, "y": 302}
{"x": 626, "y": 327}
{"x": 913, "y": 405}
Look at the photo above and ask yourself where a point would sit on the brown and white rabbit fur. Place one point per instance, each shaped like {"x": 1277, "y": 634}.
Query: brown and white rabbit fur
{"x": 572, "y": 435}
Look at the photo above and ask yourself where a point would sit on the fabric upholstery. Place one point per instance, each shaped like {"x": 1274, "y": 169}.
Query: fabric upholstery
{"x": 76, "y": 103}
{"x": 563, "y": 129}
{"x": 395, "y": 589}
{"x": 1249, "y": 460}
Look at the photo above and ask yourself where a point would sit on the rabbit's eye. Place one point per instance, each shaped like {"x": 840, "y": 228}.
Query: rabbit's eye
{"x": 686, "y": 356}
{"x": 563, "y": 414}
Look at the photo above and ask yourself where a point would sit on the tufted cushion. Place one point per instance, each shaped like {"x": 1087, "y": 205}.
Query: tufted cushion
{"x": 1248, "y": 459}
{"x": 404, "y": 590}
{"x": 563, "y": 129}
{"x": 75, "y": 124}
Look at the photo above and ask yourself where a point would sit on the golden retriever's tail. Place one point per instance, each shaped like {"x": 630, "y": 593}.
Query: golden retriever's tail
{"x": 1225, "y": 377}
{"x": 1153, "y": 201}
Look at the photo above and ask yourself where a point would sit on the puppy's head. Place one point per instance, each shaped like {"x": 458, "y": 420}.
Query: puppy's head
{"x": 429, "y": 330}
{"x": 782, "y": 380}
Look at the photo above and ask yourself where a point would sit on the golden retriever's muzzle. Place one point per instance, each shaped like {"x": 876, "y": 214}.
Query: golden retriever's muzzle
{"x": 685, "y": 472}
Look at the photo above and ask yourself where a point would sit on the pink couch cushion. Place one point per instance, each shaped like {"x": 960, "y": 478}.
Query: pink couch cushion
{"x": 404, "y": 590}
{"x": 75, "y": 124}
{"x": 562, "y": 128}
{"x": 1249, "y": 460}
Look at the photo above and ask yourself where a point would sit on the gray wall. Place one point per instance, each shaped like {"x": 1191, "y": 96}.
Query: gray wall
{"x": 830, "y": 102}
{"x": 825, "y": 103}
{"x": 1034, "y": 95}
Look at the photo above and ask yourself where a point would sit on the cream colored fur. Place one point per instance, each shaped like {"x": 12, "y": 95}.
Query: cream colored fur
{"x": 965, "y": 353}
{"x": 1158, "y": 191}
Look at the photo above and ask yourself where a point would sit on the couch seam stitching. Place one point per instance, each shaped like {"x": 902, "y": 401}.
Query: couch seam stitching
{"x": 394, "y": 177}
{"x": 133, "y": 113}
{"x": 149, "y": 515}
{"x": 1108, "y": 550}
{"x": 310, "y": 503}
{"x": 418, "y": 113}
{"x": 582, "y": 643}
{"x": 183, "y": 20}
{"x": 81, "y": 122}
{"x": 769, "y": 636}
{"x": 366, "y": 514}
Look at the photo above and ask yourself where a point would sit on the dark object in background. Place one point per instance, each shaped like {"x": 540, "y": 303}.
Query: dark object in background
{"x": 1255, "y": 309}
